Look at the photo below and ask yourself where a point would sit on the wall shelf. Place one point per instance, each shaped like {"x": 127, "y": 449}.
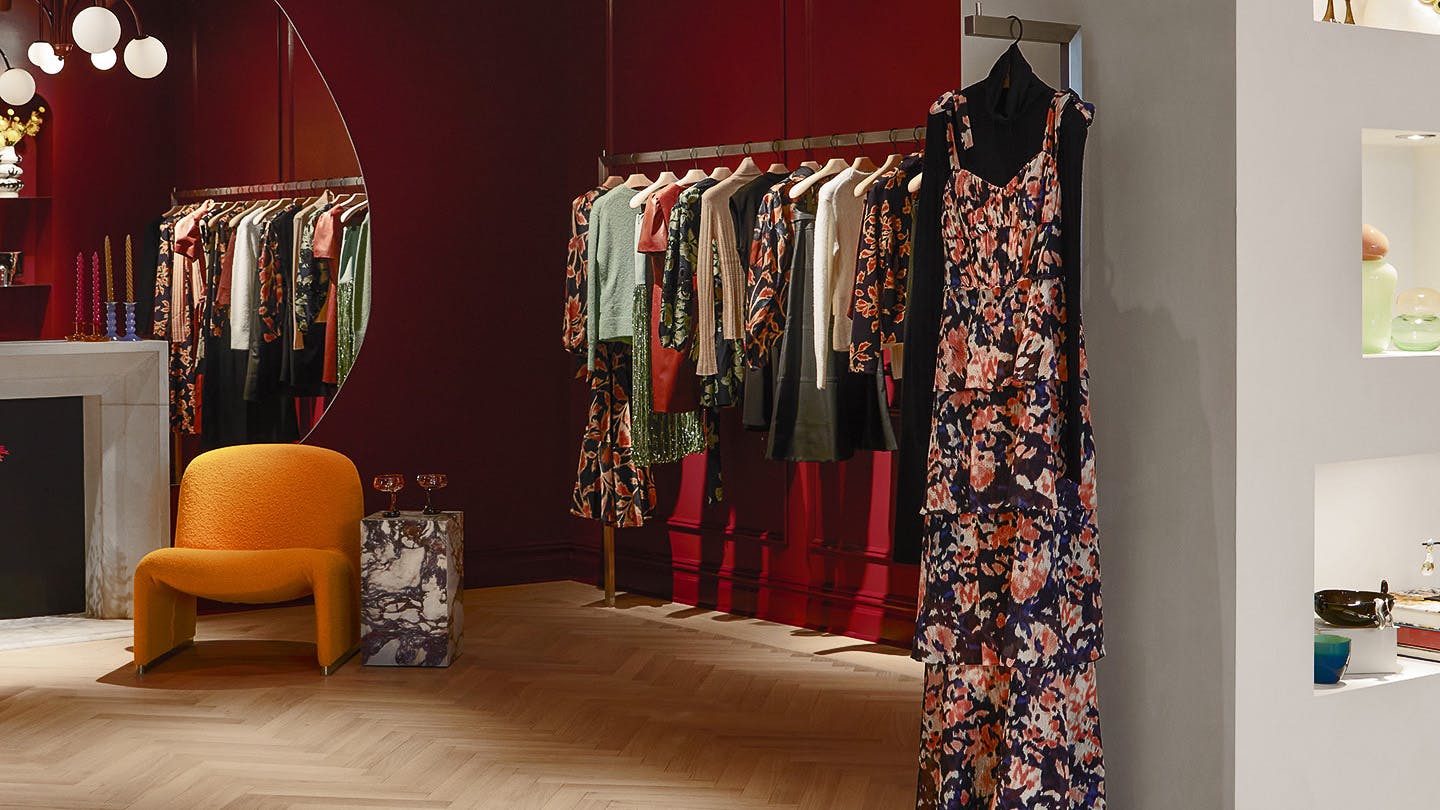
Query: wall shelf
{"x": 1411, "y": 16}
{"x": 1410, "y": 669}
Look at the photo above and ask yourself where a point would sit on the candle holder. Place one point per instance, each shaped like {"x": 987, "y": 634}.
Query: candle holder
{"x": 130, "y": 322}
{"x": 79, "y": 333}
{"x": 95, "y": 336}
{"x": 110, "y": 333}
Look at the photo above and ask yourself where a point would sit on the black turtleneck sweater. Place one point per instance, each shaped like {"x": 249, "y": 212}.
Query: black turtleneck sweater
{"x": 1008, "y": 125}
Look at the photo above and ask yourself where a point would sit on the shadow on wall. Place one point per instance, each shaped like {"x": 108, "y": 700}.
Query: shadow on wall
{"x": 1160, "y": 553}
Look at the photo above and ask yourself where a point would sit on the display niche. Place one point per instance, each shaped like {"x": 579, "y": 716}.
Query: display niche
{"x": 1400, "y": 247}
{"x": 1373, "y": 518}
{"x": 1420, "y": 16}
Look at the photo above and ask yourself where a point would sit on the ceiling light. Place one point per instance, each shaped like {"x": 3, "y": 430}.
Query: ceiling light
{"x": 146, "y": 58}
{"x": 96, "y": 29}
{"x": 1416, "y": 136}
{"x": 40, "y": 53}
{"x": 17, "y": 86}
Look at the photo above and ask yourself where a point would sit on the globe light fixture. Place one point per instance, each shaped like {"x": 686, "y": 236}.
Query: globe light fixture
{"x": 17, "y": 86}
{"x": 40, "y": 53}
{"x": 93, "y": 27}
{"x": 96, "y": 29}
{"x": 146, "y": 58}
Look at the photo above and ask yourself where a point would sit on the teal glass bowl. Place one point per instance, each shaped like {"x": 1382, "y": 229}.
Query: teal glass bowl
{"x": 1332, "y": 656}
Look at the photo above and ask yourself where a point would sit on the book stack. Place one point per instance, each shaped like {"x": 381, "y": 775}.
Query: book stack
{"x": 1417, "y": 619}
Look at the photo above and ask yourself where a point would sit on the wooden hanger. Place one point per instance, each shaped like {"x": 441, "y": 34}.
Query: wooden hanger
{"x": 666, "y": 178}
{"x": 891, "y": 161}
{"x": 696, "y": 174}
{"x": 637, "y": 181}
{"x": 720, "y": 172}
{"x": 348, "y": 215}
{"x": 612, "y": 181}
{"x": 744, "y": 173}
{"x": 778, "y": 167}
{"x": 831, "y": 168}
{"x": 862, "y": 163}
{"x": 747, "y": 166}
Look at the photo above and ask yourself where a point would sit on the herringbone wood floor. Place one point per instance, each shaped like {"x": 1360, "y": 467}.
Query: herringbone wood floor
{"x": 555, "y": 704}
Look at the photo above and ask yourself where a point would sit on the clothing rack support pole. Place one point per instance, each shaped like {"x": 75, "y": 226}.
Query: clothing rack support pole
{"x": 607, "y": 537}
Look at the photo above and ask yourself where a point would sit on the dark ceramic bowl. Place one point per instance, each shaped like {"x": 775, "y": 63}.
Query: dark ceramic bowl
{"x": 1351, "y": 608}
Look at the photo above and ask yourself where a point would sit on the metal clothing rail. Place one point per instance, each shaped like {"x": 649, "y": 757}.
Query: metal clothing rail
{"x": 832, "y": 141}
{"x": 176, "y": 195}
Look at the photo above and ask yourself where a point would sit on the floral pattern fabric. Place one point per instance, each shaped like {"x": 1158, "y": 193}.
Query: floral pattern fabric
{"x": 677, "y": 282}
{"x": 609, "y": 485}
{"x": 882, "y": 267}
{"x": 1010, "y": 610}
{"x": 573, "y": 331}
{"x": 994, "y": 737}
{"x": 768, "y": 272}
{"x": 172, "y": 305}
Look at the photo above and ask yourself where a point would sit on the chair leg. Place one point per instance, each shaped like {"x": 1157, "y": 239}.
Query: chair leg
{"x": 337, "y": 619}
{"x": 164, "y": 619}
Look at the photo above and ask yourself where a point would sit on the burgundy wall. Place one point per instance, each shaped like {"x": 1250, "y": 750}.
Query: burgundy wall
{"x": 255, "y": 108}
{"x": 474, "y": 126}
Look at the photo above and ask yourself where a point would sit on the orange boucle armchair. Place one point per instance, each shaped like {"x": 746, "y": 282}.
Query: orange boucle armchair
{"x": 258, "y": 524}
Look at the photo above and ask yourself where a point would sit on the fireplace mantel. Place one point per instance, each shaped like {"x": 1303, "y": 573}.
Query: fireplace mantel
{"x": 126, "y": 393}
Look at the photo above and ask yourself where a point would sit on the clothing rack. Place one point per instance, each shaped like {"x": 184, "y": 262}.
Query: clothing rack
{"x": 266, "y": 189}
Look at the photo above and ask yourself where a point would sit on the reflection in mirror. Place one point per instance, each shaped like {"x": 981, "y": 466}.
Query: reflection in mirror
{"x": 262, "y": 278}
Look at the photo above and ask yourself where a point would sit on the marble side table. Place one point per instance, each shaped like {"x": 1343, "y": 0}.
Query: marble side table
{"x": 412, "y": 589}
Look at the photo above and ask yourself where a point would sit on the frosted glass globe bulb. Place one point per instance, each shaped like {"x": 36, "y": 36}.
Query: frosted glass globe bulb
{"x": 54, "y": 65}
{"x": 146, "y": 58}
{"x": 17, "y": 86}
{"x": 96, "y": 29}
{"x": 40, "y": 53}
{"x": 103, "y": 60}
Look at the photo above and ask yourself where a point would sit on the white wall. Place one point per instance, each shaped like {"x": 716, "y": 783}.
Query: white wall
{"x": 1159, "y": 309}
{"x": 1370, "y": 517}
{"x": 1302, "y": 94}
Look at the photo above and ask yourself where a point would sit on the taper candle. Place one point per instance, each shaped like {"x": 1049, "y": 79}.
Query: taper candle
{"x": 79, "y": 287}
{"x": 95, "y": 279}
{"x": 129, "y": 272}
{"x": 109, "y": 273}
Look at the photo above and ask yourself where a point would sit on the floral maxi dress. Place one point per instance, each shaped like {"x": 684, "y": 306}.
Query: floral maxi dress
{"x": 1009, "y": 622}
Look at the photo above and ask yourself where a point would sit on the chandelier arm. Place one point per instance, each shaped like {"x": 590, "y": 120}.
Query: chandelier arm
{"x": 139, "y": 31}
{"x": 6, "y": 58}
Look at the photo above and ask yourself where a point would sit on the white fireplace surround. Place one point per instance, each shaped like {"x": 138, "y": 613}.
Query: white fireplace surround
{"x": 127, "y": 487}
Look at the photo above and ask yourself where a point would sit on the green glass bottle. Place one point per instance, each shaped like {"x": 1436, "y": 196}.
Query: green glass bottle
{"x": 1377, "y": 291}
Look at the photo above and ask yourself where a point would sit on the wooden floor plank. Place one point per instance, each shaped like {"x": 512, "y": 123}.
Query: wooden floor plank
{"x": 555, "y": 704}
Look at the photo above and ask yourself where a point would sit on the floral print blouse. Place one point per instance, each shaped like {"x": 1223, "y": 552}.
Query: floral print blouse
{"x": 573, "y": 332}
{"x": 768, "y": 275}
{"x": 882, "y": 268}
{"x": 677, "y": 283}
